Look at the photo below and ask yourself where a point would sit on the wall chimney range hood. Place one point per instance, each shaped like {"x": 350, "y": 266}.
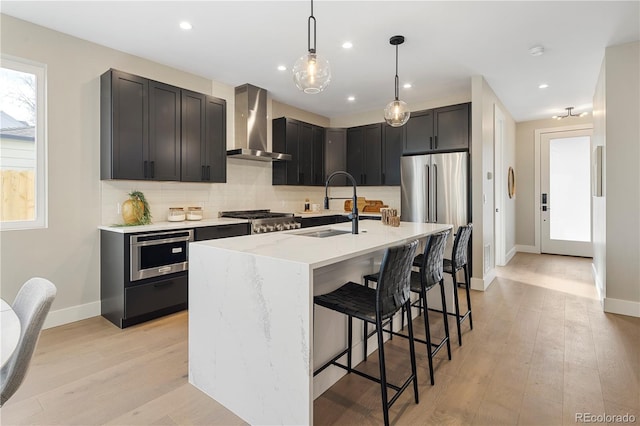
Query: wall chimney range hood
{"x": 251, "y": 126}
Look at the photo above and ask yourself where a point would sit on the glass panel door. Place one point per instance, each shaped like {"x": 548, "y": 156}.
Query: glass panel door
{"x": 566, "y": 193}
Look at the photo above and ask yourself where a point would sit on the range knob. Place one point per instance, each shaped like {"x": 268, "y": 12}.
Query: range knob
{"x": 279, "y": 226}
{"x": 270, "y": 228}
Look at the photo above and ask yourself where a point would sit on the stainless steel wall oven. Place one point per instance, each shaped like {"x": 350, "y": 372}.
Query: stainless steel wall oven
{"x": 159, "y": 253}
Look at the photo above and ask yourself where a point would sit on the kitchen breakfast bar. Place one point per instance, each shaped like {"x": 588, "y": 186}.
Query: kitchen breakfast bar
{"x": 254, "y": 336}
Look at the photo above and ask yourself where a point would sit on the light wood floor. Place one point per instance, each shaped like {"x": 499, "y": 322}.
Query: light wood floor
{"x": 541, "y": 351}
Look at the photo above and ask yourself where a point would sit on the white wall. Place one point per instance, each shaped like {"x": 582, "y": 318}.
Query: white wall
{"x": 483, "y": 102}
{"x": 618, "y": 130}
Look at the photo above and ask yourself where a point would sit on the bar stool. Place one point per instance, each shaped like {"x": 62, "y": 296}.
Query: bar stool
{"x": 376, "y": 306}
{"x": 459, "y": 260}
{"x": 429, "y": 274}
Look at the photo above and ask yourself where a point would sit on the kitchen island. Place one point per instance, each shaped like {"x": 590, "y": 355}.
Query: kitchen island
{"x": 254, "y": 336}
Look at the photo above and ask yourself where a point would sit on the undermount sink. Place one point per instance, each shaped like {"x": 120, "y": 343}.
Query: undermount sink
{"x": 322, "y": 233}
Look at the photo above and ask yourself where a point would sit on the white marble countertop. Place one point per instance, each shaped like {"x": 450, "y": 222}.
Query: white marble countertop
{"x": 318, "y": 252}
{"x": 162, "y": 226}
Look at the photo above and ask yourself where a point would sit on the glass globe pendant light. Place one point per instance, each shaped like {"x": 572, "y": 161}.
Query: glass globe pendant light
{"x": 397, "y": 112}
{"x": 311, "y": 72}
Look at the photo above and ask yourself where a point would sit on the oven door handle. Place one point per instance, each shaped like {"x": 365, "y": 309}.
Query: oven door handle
{"x": 158, "y": 242}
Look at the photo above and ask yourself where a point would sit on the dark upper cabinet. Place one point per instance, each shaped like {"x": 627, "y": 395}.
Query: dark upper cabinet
{"x": 305, "y": 143}
{"x": 124, "y": 125}
{"x": 419, "y": 133}
{"x": 392, "y": 143}
{"x": 154, "y": 131}
{"x": 364, "y": 154}
{"x": 438, "y": 130}
{"x": 164, "y": 132}
{"x": 335, "y": 155}
{"x": 451, "y": 127}
{"x": 203, "y": 138}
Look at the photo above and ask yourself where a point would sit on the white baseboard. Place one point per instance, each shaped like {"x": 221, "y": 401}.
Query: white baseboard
{"x": 622, "y": 307}
{"x": 510, "y": 255}
{"x": 482, "y": 284}
{"x": 72, "y": 314}
{"x": 527, "y": 249}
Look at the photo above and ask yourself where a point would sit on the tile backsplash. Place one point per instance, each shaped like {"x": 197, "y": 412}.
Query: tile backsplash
{"x": 248, "y": 187}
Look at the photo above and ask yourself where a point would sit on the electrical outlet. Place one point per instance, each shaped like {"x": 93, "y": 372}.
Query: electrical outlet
{"x": 118, "y": 208}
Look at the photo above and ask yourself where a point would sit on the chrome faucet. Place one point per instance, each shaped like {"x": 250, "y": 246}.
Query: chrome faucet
{"x": 354, "y": 207}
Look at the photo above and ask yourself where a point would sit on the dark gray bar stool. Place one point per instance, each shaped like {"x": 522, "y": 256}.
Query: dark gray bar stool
{"x": 429, "y": 274}
{"x": 376, "y": 306}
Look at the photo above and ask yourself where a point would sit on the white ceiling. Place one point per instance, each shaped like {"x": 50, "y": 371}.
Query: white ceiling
{"x": 236, "y": 42}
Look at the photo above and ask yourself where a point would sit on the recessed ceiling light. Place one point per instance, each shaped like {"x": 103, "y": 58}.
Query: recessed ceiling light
{"x": 282, "y": 68}
{"x": 407, "y": 86}
{"x": 347, "y": 45}
{"x": 543, "y": 86}
{"x": 351, "y": 98}
{"x": 185, "y": 25}
{"x": 536, "y": 50}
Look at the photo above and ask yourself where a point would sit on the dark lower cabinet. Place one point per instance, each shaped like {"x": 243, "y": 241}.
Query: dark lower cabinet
{"x": 125, "y": 302}
{"x": 308, "y": 222}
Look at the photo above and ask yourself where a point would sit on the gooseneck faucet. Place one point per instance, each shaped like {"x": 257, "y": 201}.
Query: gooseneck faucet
{"x": 354, "y": 206}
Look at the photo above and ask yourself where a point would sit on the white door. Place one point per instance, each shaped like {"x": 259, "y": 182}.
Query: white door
{"x": 565, "y": 193}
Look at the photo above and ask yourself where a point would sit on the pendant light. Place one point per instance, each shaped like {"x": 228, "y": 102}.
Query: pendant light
{"x": 311, "y": 72}
{"x": 397, "y": 112}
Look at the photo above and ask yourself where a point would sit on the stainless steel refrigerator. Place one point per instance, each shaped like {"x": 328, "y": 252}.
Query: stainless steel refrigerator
{"x": 435, "y": 189}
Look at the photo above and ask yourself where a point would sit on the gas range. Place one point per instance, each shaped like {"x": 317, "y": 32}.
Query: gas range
{"x": 263, "y": 221}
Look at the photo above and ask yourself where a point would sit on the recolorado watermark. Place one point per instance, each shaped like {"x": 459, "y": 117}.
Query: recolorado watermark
{"x": 605, "y": 418}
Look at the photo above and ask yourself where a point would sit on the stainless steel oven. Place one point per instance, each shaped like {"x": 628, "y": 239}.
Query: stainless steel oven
{"x": 159, "y": 253}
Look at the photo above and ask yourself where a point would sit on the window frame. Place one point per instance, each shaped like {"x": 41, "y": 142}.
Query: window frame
{"x": 41, "y": 182}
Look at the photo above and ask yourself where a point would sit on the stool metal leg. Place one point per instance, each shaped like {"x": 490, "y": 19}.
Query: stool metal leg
{"x": 412, "y": 351}
{"x": 423, "y": 296}
{"x": 457, "y": 306}
{"x": 383, "y": 372}
{"x": 444, "y": 317}
{"x": 466, "y": 278}
{"x": 349, "y": 343}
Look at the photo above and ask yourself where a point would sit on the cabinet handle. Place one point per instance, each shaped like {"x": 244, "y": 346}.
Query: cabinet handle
{"x": 144, "y": 172}
{"x": 202, "y": 174}
{"x": 153, "y": 169}
{"x": 430, "y": 142}
{"x": 436, "y": 140}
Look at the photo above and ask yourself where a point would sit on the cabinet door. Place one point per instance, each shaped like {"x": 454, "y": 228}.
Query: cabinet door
{"x": 317, "y": 155}
{"x": 419, "y": 133}
{"x": 335, "y": 155}
{"x": 451, "y": 127}
{"x": 215, "y": 141}
{"x": 355, "y": 154}
{"x": 392, "y": 151}
{"x": 193, "y": 134}
{"x": 305, "y": 150}
{"x": 164, "y": 132}
{"x": 291, "y": 140}
{"x": 373, "y": 154}
{"x": 125, "y": 126}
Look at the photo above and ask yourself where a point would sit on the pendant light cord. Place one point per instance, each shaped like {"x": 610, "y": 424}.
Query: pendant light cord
{"x": 397, "y": 80}
{"x": 311, "y": 50}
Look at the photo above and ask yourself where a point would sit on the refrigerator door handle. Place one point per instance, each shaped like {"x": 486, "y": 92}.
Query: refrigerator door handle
{"x": 428, "y": 198}
{"x": 435, "y": 190}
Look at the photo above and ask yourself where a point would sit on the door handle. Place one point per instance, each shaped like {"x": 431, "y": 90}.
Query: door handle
{"x": 435, "y": 188}
{"x": 428, "y": 200}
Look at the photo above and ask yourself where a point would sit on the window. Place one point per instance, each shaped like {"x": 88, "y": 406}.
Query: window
{"x": 23, "y": 191}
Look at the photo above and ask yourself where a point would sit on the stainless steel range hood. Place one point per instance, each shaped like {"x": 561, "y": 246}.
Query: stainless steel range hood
{"x": 251, "y": 126}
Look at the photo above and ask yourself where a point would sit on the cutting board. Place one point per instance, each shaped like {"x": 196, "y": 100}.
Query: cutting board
{"x": 364, "y": 205}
